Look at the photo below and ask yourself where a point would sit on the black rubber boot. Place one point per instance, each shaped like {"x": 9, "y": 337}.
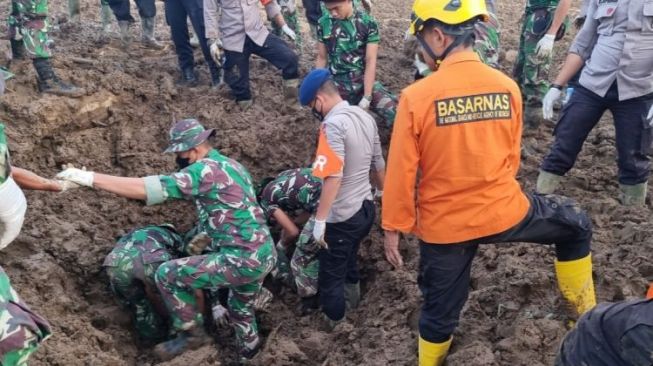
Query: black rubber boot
{"x": 17, "y": 50}
{"x": 48, "y": 82}
{"x": 188, "y": 77}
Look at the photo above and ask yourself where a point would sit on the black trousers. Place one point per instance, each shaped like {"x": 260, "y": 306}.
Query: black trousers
{"x": 275, "y": 50}
{"x": 444, "y": 269}
{"x": 120, "y": 8}
{"x": 339, "y": 263}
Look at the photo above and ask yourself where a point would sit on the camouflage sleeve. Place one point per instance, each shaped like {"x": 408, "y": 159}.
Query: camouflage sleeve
{"x": 372, "y": 29}
{"x": 184, "y": 184}
{"x": 269, "y": 201}
{"x": 323, "y": 29}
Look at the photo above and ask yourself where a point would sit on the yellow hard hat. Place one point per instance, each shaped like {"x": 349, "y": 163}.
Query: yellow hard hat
{"x": 451, "y": 12}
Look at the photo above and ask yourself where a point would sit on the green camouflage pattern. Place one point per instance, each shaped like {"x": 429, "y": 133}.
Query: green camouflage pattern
{"x": 29, "y": 21}
{"x": 532, "y": 71}
{"x": 358, "y": 5}
{"x": 241, "y": 271}
{"x": 131, "y": 267}
{"x": 21, "y": 330}
{"x": 225, "y": 200}
{"x": 346, "y": 41}
{"x": 289, "y": 12}
{"x": 304, "y": 263}
{"x": 534, "y": 4}
{"x": 384, "y": 103}
{"x": 186, "y": 134}
{"x": 4, "y": 155}
{"x": 291, "y": 191}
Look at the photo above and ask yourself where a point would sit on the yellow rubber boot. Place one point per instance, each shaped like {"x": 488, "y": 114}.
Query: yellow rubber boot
{"x": 432, "y": 354}
{"x": 576, "y": 284}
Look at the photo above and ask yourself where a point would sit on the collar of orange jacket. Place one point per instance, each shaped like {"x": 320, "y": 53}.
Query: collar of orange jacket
{"x": 460, "y": 56}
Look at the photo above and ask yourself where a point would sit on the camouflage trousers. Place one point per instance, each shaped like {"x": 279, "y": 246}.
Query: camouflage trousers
{"x": 532, "y": 71}
{"x": 302, "y": 269}
{"x": 127, "y": 281}
{"x": 383, "y": 103}
{"x": 487, "y": 41}
{"x": 290, "y": 16}
{"x": 21, "y": 330}
{"x": 239, "y": 270}
{"x": 29, "y": 21}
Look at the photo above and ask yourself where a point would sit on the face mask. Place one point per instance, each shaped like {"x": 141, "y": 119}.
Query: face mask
{"x": 182, "y": 162}
{"x": 316, "y": 113}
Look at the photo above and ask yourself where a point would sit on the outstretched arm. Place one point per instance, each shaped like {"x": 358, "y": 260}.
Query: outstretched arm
{"x": 30, "y": 180}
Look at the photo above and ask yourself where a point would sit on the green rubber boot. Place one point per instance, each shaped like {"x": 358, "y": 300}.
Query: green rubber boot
{"x": 73, "y": 10}
{"x": 105, "y": 15}
{"x": 633, "y": 195}
{"x": 352, "y": 295}
{"x": 547, "y": 182}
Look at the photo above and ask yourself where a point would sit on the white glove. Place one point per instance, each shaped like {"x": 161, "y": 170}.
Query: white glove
{"x": 66, "y": 185}
{"x": 367, "y": 4}
{"x": 318, "y": 232}
{"x": 198, "y": 243}
{"x": 545, "y": 45}
{"x": 378, "y": 194}
{"x": 547, "y": 103}
{"x": 216, "y": 51}
{"x": 289, "y": 32}
{"x": 649, "y": 117}
{"x": 263, "y": 299}
{"x": 77, "y": 176}
{"x": 365, "y": 102}
{"x": 422, "y": 67}
{"x": 220, "y": 315}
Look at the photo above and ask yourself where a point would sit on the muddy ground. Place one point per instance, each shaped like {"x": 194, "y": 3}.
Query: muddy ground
{"x": 514, "y": 315}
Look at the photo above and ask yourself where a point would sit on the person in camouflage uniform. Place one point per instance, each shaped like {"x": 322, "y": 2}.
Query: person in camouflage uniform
{"x": 28, "y": 31}
{"x": 131, "y": 267}
{"x": 294, "y": 193}
{"x": 289, "y": 13}
{"x": 544, "y": 21}
{"x": 240, "y": 254}
{"x": 348, "y": 42}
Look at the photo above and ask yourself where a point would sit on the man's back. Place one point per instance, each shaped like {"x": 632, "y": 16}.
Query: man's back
{"x": 462, "y": 127}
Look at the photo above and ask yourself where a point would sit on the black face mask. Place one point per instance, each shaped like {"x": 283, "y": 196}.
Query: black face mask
{"x": 316, "y": 113}
{"x": 182, "y": 162}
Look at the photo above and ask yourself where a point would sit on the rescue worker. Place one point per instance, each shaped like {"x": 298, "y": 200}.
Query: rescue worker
{"x": 28, "y": 33}
{"x": 177, "y": 14}
{"x": 348, "y": 149}
{"x": 544, "y": 22}
{"x": 236, "y": 26}
{"x": 618, "y": 333}
{"x": 486, "y": 44}
{"x": 461, "y": 128}
{"x": 613, "y": 49}
{"x": 131, "y": 266}
{"x": 147, "y": 12}
{"x": 241, "y": 251}
{"x": 348, "y": 44}
{"x": 292, "y": 196}
{"x": 291, "y": 22}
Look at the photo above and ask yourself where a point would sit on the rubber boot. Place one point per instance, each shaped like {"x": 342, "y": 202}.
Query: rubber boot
{"x": 185, "y": 341}
{"x": 290, "y": 88}
{"x": 188, "y": 77}
{"x": 17, "y": 49}
{"x": 194, "y": 41}
{"x": 308, "y": 305}
{"x": 216, "y": 78}
{"x": 532, "y": 116}
{"x": 576, "y": 283}
{"x": 432, "y": 354}
{"x": 547, "y": 182}
{"x": 105, "y": 15}
{"x": 352, "y": 295}
{"x": 125, "y": 39}
{"x": 245, "y": 104}
{"x": 48, "y": 82}
{"x": 247, "y": 354}
{"x": 148, "y": 34}
{"x": 73, "y": 10}
{"x": 633, "y": 195}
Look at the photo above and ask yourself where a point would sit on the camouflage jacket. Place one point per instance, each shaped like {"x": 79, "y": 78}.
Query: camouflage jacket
{"x": 538, "y": 4}
{"x": 346, "y": 41}
{"x": 224, "y": 197}
{"x": 290, "y": 191}
{"x": 4, "y": 155}
{"x": 154, "y": 244}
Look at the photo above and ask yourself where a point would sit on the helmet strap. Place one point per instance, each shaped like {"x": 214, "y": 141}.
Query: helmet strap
{"x": 438, "y": 60}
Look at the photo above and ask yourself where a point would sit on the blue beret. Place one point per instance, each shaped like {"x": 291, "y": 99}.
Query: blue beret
{"x": 311, "y": 83}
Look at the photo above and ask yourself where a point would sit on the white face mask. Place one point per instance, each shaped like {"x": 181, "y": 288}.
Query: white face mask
{"x": 12, "y": 211}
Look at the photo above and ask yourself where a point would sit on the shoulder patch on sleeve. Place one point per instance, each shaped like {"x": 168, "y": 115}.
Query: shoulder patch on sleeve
{"x": 327, "y": 162}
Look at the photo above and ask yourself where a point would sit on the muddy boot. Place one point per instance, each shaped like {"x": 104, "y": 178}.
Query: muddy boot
{"x": 290, "y": 87}
{"x": 188, "y": 78}
{"x": 547, "y": 182}
{"x": 247, "y": 354}
{"x": 308, "y": 305}
{"x": 352, "y": 295}
{"x": 245, "y": 104}
{"x": 330, "y": 325}
{"x": 48, "y": 82}
{"x": 73, "y": 10}
{"x": 194, "y": 41}
{"x": 148, "y": 34}
{"x": 216, "y": 78}
{"x": 125, "y": 39}
{"x": 185, "y": 341}
{"x": 17, "y": 50}
{"x": 105, "y": 15}
{"x": 633, "y": 195}
{"x": 532, "y": 116}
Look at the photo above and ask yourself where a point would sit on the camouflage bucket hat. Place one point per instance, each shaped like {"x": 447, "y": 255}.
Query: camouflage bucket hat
{"x": 186, "y": 134}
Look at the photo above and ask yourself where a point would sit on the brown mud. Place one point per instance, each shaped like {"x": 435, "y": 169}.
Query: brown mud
{"x": 514, "y": 315}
